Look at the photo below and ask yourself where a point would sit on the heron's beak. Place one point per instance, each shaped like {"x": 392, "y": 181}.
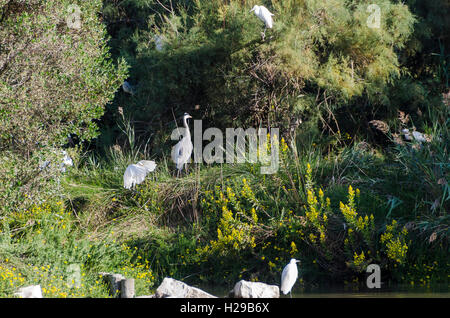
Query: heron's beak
{"x": 252, "y": 10}
{"x": 297, "y": 261}
{"x": 189, "y": 116}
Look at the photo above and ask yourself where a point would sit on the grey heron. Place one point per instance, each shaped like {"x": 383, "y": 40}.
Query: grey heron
{"x": 182, "y": 151}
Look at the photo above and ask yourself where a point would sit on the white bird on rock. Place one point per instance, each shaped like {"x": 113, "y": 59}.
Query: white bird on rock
{"x": 289, "y": 276}
{"x": 182, "y": 151}
{"x": 264, "y": 15}
{"x": 136, "y": 173}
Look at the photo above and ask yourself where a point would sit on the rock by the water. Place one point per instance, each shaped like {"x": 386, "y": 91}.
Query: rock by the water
{"x": 127, "y": 288}
{"x": 33, "y": 291}
{"x": 172, "y": 288}
{"x": 245, "y": 289}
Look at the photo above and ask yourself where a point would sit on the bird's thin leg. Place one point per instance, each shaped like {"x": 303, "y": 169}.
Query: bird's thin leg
{"x": 263, "y": 34}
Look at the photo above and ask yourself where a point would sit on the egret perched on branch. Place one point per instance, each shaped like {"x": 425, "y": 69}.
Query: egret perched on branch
{"x": 289, "y": 276}
{"x": 136, "y": 173}
{"x": 264, "y": 15}
{"x": 182, "y": 151}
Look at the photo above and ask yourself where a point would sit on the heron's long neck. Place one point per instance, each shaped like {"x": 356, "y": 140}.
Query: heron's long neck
{"x": 188, "y": 133}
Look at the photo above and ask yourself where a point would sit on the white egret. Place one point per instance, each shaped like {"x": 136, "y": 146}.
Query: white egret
{"x": 136, "y": 173}
{"x": 264, "y": 15}
{"x": 128, "y": 88}
{"x": 289, "y": 276}
{"x": 182, "y": 151}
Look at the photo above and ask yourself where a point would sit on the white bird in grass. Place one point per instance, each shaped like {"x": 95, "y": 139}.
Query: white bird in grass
{"x": 264, "y": 15}
{"x": 182, "y": 151}
{"x": 419, "y": 136}
{"x": 67, "y": 161}
{"x": 289, "y": 276}
{"x": 405, "y": 133}
{"x": 136, "y": 173}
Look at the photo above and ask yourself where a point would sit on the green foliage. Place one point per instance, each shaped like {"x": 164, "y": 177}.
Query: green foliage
{"x": 54, "y": 81}
{"x": 49, "y": 243}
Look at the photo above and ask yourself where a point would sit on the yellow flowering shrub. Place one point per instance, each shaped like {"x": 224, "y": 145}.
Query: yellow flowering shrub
{"x": 355, "y": 222}
{"x": 394, "y": 242}
{"x": 316, "y": 210}
{"x": 358, "y": 260}
{"x": 237, "y": 223}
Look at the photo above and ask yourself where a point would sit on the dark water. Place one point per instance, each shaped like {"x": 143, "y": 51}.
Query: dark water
{"x": 398, "y": 291}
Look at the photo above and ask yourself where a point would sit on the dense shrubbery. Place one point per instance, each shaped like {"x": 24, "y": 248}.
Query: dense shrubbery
{"x": 54, "y": 81}
{"x": 320, "y": 56}
{"x": 42, "y": 244}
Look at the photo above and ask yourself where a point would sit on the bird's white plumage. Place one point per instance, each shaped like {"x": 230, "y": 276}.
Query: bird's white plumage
{"x": 415, "y": 135}
{"x": 264, "y": 15}
{"x": 136, "y": 173}
{"x": 182, "y": 151}
{"x": 405, "y": 133}
{"x": 67, "y": 161}
{"x": 289, "y": 276}
{"x": 418, "y": 136}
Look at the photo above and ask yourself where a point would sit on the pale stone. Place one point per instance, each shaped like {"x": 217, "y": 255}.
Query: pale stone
{"x": 33, "y": 291}
{"x": 245, "y": 289}
{"x": 171, "y": 288}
